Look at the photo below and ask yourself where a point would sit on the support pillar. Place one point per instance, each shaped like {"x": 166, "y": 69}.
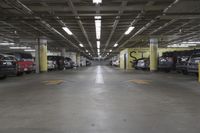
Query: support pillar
{"x": 43, "y": 55}
{"x": 153, "y": 54}
{"x": 37, "y": 56}
{"x": 63, "y": 52}
{"x": 199, "y": 71}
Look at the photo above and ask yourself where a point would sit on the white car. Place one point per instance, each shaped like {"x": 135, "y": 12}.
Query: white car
{"x": 115, "y": 63}
{"x": 51, "y": 65}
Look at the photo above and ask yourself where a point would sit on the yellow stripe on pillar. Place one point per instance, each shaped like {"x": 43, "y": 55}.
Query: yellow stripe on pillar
{"x": 43, "y": 58}
{"x": 153, "y": 54}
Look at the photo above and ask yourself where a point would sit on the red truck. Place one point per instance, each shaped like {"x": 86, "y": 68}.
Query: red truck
{"x": 25, "y": 62}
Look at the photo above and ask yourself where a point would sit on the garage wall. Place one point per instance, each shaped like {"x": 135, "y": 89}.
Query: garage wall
{"x": 136, "y": 53}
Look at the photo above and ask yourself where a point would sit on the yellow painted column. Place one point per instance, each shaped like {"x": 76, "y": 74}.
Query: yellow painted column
{"x": 199, "y": 71}
{"x": 43, "y": 57}
{"x": 153, "y": 54}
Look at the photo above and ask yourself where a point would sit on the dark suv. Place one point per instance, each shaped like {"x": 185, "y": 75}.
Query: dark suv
{"x": 181, "y": 64}
{"x": 8, "y": 65}
{"x": 167, "y": 62}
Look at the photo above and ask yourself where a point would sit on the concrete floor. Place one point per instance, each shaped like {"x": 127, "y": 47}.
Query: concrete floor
{"x": 100, "y": 99}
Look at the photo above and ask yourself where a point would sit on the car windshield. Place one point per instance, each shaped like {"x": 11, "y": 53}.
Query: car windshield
{"x": 182, "y": 59}
{"x": 26, "y": 56}
{"x": 22, "y": 56}
{"x": 196, "y": 56}
{"x": 51, "y": 57}
{"x": 8, "y": 58}
{"x": 68, "y": 59}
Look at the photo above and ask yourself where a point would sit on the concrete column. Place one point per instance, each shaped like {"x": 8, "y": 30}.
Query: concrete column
{"x": 153, "y": 54}
{"x": 199, "y": 71}
{"x": 37, "y": 56}
{"x": 43, "y": 55}
{"x": 63, "y": 52}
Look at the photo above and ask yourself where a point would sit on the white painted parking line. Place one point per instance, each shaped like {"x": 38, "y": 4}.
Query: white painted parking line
{"x": 99, "y": 76}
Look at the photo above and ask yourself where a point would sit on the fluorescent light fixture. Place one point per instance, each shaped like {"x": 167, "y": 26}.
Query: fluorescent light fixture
{"x": 98, "y": 44}
{"x": 97, "y": 17}
{"x": 182, "y": 45}
{"x": 129, "y": 30}
{"x": 89, "y": 53}
{"x": 20, "y": 47}
{"x": 107, "y": 53}
{"x": 6, "y": 44}
{"x": 192, "y": 42}
{"x": 86, "y": 50}
{"x": 115, "y": 45}
{"x": 98, "y": 29}
{"x": 98, "y": 54}
{"x": 67, "y": 30}
{"x": 98, "y": 50}
{"x": 81, "y": 45}
{"x": 29, "y": 50}
{"x": 111, "y": 50}
{"x": 97, "y": 1}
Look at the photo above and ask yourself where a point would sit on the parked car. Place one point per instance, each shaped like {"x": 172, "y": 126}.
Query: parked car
{"x": 142, "y": 63}
{"x": 181, "y": 64}
{"x": 56, "y": 61}
{"x": 25, "y": 62}
{"x": 115, "y": 63}
{"x": 68, "y": 63}
{"x": 167, "y": 62}
{"x": 88, "y": 63}
{"x": 51, "y": 63}
{"x": 8, "y": 65}
{"x": 192, "y": 65}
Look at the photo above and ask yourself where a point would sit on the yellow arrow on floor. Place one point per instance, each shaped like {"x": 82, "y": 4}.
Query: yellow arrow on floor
{"x": 139, "y": 81}
{"x": 53, "y": 82}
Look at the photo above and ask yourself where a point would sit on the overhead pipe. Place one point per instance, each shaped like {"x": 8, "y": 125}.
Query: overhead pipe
{"x": 150, "y": 23}
{"x": 70, "y": 3}
{"x": 116, "y": 22}
{"x": 25, "y": 10}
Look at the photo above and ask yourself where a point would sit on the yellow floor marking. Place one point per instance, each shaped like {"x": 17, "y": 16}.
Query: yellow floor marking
{"x": 139, "y": 81}
{"x": 53, "y": 82}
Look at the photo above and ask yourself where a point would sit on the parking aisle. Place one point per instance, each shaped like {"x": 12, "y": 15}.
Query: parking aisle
{"x": 99, "y": 99}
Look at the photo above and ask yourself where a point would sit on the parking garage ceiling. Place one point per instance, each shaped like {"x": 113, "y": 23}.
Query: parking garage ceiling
{"x": 172, "y": 21}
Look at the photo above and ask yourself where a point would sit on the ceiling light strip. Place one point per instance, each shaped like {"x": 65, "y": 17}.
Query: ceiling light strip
{"x": 130, "y": 29}
{"x": 67, "y": 30}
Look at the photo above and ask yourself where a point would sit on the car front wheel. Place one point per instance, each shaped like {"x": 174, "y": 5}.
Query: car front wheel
{"x": 3, "y": 77}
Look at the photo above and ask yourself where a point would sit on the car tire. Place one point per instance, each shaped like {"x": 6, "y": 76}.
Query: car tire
{"x": 167, "y": 70}
{"x": 28, "y": 72}
{"x": 19, "y": 73}
{"x": 3, "y": 77}
{"x": 185, "y": 72}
